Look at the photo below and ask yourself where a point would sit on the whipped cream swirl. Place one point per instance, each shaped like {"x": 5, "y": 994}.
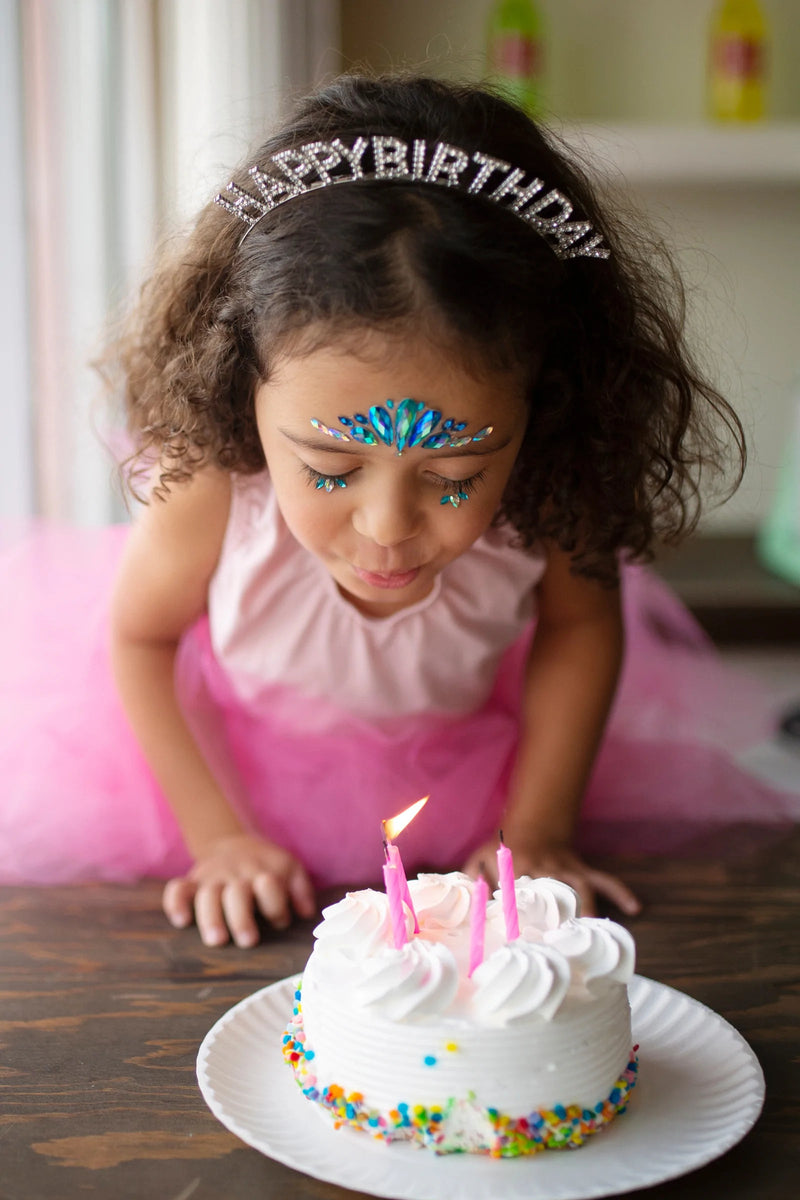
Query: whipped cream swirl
{"x": 596, "y": 949}
{"x": 359, "y": 925}
{"x": 518, "y": 980}
{"x": 418, "y": 980}
{"x": 442, "y": 901}
{"x": 541, "y": 904}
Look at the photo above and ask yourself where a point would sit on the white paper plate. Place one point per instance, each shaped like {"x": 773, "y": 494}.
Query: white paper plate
{"x": 700, "y": 1090}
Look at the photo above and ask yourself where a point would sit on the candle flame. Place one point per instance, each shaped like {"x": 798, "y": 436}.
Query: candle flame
{"x": 396, "y": 825}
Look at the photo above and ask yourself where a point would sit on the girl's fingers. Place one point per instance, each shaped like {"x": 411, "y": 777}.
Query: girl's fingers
{"x": 585, "y": 891}
{"x": 272, "y": 899}
{"x": 176, "y": 902}
{"x": 225, "y": 909}
{"x": 209, "y": 915}
{"x": 301, "y": 892}
{"x": 237, "y": 905}
{"x": 616, "y": 891}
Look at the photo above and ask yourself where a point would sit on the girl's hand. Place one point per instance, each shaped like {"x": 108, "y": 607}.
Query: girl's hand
{"x": 558, "y": 862}
{"x": 237, "y": 876}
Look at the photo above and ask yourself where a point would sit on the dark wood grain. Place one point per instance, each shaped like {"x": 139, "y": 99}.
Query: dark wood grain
{"x": 103, "y": 1007}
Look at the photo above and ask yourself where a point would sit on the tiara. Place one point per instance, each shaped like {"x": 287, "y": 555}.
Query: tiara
{"x": 318, "y": 165}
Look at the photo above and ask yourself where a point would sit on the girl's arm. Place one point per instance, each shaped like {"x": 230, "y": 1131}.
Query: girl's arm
{"x": 571, "y": 678}
{"x": 161, "y": 589}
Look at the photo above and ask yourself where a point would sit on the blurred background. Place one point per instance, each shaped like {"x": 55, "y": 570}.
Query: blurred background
{"x": 119, "y": 118}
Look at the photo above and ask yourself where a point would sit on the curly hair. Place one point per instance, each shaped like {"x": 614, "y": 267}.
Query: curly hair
{"x": 622, "y": 425}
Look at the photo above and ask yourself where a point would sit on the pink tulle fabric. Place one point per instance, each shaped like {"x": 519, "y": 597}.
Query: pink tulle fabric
{"x": 78, "y": 801}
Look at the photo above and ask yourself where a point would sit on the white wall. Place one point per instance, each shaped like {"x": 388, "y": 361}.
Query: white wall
{"x": 16, "y": 476}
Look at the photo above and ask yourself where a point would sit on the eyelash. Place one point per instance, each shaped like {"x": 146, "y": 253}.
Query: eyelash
{"x": 316, "y": 478}
{"x": 467, "y": 485}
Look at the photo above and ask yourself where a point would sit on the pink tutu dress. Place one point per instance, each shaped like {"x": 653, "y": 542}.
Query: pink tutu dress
{"x": 320, "y": 722}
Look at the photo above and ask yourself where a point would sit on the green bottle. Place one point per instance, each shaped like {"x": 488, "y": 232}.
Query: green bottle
{"x": 778, "y": 540}
{"x": 514, "y": 51}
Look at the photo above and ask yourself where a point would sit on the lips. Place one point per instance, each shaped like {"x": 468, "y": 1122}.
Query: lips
{"x": 387, "y": 579}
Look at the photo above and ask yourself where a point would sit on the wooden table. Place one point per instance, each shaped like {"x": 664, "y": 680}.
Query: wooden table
{"x": 103, "y": 1007}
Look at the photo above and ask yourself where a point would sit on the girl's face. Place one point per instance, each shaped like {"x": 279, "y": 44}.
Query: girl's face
{"x": 385, "y": 535}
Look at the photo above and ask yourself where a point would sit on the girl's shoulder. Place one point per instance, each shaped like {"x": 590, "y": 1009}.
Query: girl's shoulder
{"x": 172, "y": 552}
{"x": 193, "y": 513}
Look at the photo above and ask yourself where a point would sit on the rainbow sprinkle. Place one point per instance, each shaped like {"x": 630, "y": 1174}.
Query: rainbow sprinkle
{"x": 560, "y": 1128}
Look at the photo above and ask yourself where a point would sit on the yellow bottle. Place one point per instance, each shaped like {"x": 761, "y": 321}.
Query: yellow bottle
{"x": 738, "y": 61}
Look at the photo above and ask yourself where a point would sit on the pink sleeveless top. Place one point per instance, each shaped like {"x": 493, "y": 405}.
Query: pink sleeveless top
{"x": 277, "y": 618}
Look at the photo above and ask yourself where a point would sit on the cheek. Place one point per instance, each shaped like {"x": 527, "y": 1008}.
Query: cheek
{"x": 314, "y": 517}
{"x": 458, "y": 528}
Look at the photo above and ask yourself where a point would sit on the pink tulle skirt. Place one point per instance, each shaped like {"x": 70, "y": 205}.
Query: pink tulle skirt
{"x": 78, "y": 801}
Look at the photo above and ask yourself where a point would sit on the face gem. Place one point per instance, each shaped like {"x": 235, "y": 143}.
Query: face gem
{"x": 455, "y": 497}
{"x": 381, "y": 422}
{"x": 334, "y": 433}
{"x": 408, "y": 424}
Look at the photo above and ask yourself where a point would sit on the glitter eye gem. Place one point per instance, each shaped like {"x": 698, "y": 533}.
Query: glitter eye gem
{"x": 455, "y": 497}
{"x": 334, "y": 433}
{"x": 329, "y": 483}
{"x": 357, "y": 427}
{"x": 407, "y": 425}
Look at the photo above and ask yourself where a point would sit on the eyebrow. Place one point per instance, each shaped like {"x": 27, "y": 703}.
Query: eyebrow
{"x": 335, "y": 446}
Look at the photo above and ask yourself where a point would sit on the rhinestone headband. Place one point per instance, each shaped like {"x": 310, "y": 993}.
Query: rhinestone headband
{"x": 318, "y": 165}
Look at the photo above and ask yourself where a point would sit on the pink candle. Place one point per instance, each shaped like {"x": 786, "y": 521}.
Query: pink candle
{"x": 477, "y": 922}
{"x": 397, "y": 913}
{"x": 397, "y": 862}
{"x": 505, "y": 870}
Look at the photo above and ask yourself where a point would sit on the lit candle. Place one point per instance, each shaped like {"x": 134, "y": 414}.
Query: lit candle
{"x": 505, "y": 871}
{"x": 391, "y": 828}
{"x": 396, "y": 910}
{"x": 477, "y": 922}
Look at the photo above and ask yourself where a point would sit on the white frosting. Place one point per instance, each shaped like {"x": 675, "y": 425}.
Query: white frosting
{"x": 597, "y": 949}
{"x": 359, "y": 924}
{"x": 520, "y": 980}
{"x": 541, "y": 904}
{"x": 441, "y": 901}
{"x": 419, "y": 980}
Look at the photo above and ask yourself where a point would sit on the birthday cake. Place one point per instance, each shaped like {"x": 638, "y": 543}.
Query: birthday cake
{"x": 528, "y": 1049}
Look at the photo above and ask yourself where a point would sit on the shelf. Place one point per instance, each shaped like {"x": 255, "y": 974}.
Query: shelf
{"x": 724, "y": 583}
{"x": 762, "y": 155}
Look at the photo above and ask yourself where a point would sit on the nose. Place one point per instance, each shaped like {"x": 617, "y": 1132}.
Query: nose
{"x": 389, "y": 513}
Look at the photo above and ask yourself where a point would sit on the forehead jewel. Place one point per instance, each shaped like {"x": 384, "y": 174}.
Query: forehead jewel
{"x": 318, "y": 165}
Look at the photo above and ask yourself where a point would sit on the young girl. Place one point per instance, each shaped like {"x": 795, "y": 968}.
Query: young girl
{"x": 405, "y": 404}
